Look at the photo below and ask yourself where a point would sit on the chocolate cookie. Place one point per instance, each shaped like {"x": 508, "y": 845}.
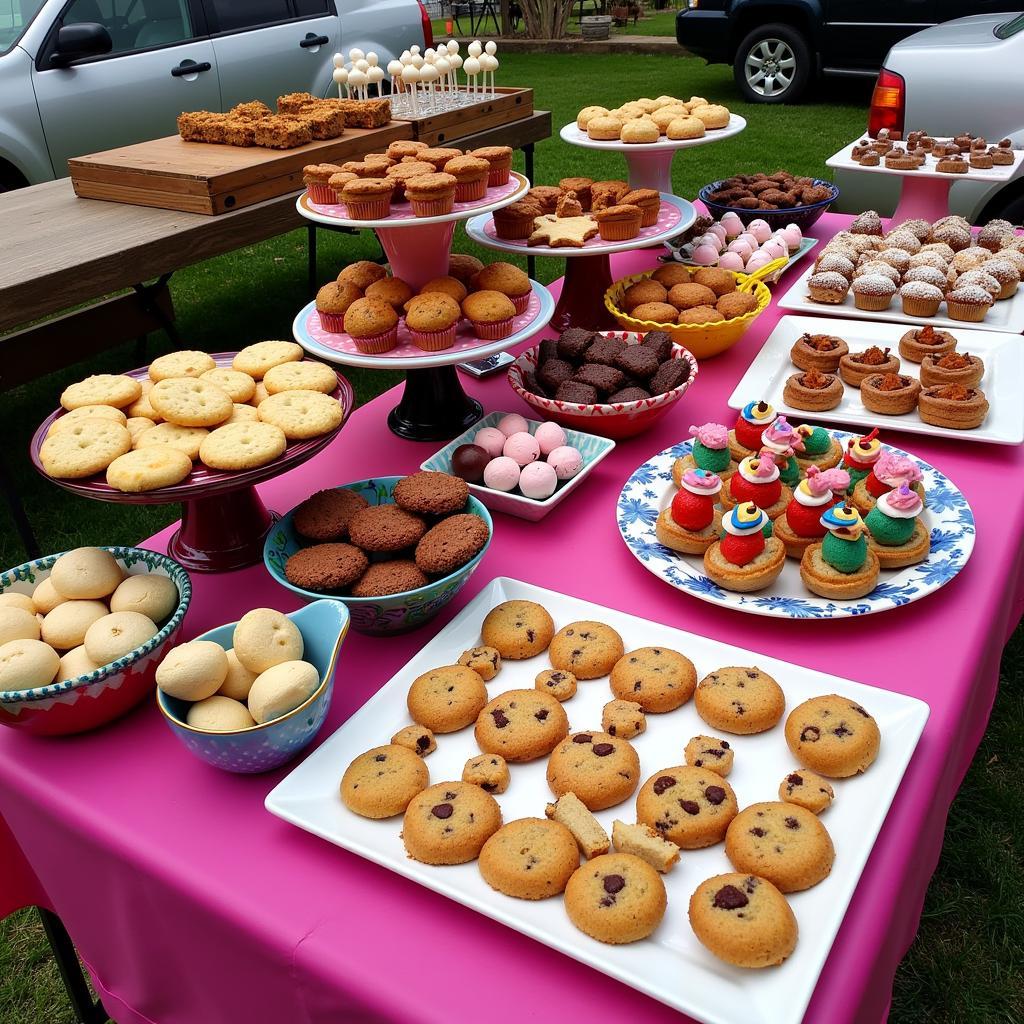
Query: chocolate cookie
{"x": 833, "y": 735}
{"x": 807, "y": 789}
{"x": 576, "y": 393}
{"x": 616, "y": 898}
{"x": 709, "y": 752}
{"x": 451, "y": 544}
{"x": 530, "y": 859}
{"x": 657, "y": 678}
{"x": 554, "y": 372}
{"x": 573, "y": 343}
{"x": 521, "y": 725}
{"x": 381, "y": 782}
{"x": 740, "y": 700}
{"x": 449, "y": 823}
{"x": 383, "y": 578}
{"x": 561, "y": 685}
{"x": 446, "y": 699}
{"x": 604, "y": 351}
{"x": 518, "y": 629}
{"x": 417, "y": 738}
{"x": 602, "y": 770}
{"x": 660, "y": 343}
{"x": 781, "y": 842}
{"x": 638, "y": 362}
{"x": 623, "y": 718}
{"x": 673, "y": 373}
{"x": 385, "y": 528}
{"x": 690, "y": 806}
{"x": 325, "y": 515}
{"x": 325, "y": 567}
{"x": 604, "y": 379}
{"x": 485, "y": 661}
{"x": 431, "y": 494}
{"x": 628, "y": 395}
{"x": 488, "y": 771}
{"x": 587, "y": 649}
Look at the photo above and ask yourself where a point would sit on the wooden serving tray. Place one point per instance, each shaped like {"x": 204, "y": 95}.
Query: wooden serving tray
{"x": 511, "y": 105}
{"x": 198, "y": 177}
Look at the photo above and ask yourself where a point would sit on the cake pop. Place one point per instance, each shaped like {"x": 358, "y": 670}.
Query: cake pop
{"x": 376, "y": 76}
{"x": 338, "y": 60}
{"x": 340, "y": 77}
{"x": 357, "y": 83}
{"x": 475, "y": 48}
{"x": 411, "y": 78}
{"x": 355, "y": 54}
{"x": 395, "y": 71}
{"x": 472, "y": 69}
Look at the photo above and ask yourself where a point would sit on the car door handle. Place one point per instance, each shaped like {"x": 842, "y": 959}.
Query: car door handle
{"x": 190, "y": 67}
{"x": 313, "y": 40}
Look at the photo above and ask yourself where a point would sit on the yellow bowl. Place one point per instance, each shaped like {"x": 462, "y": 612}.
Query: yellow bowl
{"x": 703, "y": 340}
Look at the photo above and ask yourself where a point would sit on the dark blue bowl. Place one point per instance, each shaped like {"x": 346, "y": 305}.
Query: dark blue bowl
{"x": 802, "y": 216}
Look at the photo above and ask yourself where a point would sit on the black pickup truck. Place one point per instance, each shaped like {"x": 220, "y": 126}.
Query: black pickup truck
{"x": 778, "y": 47}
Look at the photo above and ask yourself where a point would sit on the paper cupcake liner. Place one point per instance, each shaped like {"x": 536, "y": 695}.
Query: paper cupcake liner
{"x": 520, "y": 302}
{"x": 377, "y": 343}
{"x": 1008, "y": 290}
{"x": 650, "y": 217}
{"x": 514, "y": 228}
{"x": 617, "y": 230}
{"x": 495, "y": 331}
{"x": 333, "y": 323}
{"x": 470, "y": 191}
{"x": 321, "y": 194}
{"x": 432, "y": 207}
{"x": 499, "y": 175}
{"x": 369, "y": 209}
{"x": 875, "y": 303}
{"x": 921, "y": 307}
{"x": 433, "y": 341}
{"x": 968, "y": 312}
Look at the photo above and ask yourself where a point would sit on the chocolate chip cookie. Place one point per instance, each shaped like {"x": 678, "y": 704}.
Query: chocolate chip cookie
{"x": 446, "y": 699}
{"x": 325, "y": 515}
{"x": 601, "y": 770}
{"x": 419, "y": 739}
{"x": 431, "y": 494}
{"x": 518, "y": 629}
{"x": 744, "y": 920}
{"x": 709, "y": 752}
{"x": 807, "y": 789}
{"x": 488, "y": 771}
{"x": 449, "y": 823}
{"x": 484, "y": 661}
{"x": 587, "y": 649}
{"x": 530, "y": 859}
{"x": 782, "y": 842}
{"x": 381, "y": 782}
{"x": 740, "y": 700}
{"x": 833, "y": 735}
{"x": 616, "y": 898}
{"x": 623, "y": 718}
{"x": 521, "y": 725}
{"x": 561, "y": 685}
{"x": 690, "y": 806}
{"x": 657, "y": 678}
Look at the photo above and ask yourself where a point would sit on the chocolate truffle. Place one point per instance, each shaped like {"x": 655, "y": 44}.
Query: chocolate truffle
{"x": 469, "y": 462}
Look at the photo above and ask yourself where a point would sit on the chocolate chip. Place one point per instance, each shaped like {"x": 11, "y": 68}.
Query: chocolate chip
{"x": 583, "y": 737}
{"x": 811, "y": 734}
{"x": 663, "y": 782}
{"x": 423, "y": 742}
{"x": 636, "y": 686}
{"x": 442, "y": 810}
{"x": 603, "y": 749}
{"x": 757, "y": 831}
{"x": 541, "y": 715}
{"x": 611, "y": 729}
{"x": 690, "y": 806}
{"x": 698, "y": 763}
{"x": 607, "y": 901}
{"x": 730, "y": 898}
{"x": 841, "y": 730}
{"x": 715, "y": 795}
{"x": 752, "y": 673}
{"x": 795, "y": 780}
{"x": 500, "y": 721}
{"x": 449, "y": 795}
{"x": 713, "y": 752}
{"x": 488, "y": 787}
{"x": 576, "y": 653}
{"x": 614, "y": 884}
{"x": 860, "y": 711}
{"x": 531, "y": 635}
{"x": 792, "y": 823}
{"x": 381, "y": 757}
{"x": 725, "y": 744}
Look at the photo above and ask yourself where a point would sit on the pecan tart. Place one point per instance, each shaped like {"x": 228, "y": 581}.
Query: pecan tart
{"x": 923, "y": 341}
{"x": 953, "y": 406}
{"x": 818, "y": 352}
{"x": 891, "y": 394}
{"x": 855, "y": 366}
{"x": 813, "y": 390}
{"x": 952, "y": 368}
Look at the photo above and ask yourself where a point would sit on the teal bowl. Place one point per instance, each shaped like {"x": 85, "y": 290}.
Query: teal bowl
{"x": 261, "y": 748}
{"x": 377, "y": 616}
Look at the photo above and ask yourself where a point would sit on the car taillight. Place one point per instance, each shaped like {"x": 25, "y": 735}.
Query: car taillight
{"x": 428, "y": 29}
{"x": 888, "y": 103}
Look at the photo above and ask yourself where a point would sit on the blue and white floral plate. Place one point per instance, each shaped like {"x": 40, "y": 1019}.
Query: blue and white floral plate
{"x": 948, "y": 516}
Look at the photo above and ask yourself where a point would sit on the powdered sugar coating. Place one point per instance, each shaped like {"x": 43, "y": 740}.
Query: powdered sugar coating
{"x": 921, "y": 290}
{"x": 1002, "y": 270}
{"x": 970, "y": 294}
{"x": 834, "y": 262}
{"x": 929, "y": 259}
{"x": 905, "y": 240}
{"x": 874, "y": 284}
{"x": 877, "y": 267}
{"x": 979, "y": 277}
{"x": 830, "y": 280}
{"x": 898, "y": 258}
{"x": 929, "y": 275}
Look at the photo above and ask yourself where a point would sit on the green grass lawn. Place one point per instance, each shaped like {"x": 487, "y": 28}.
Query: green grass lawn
{"x": 966, "y": 965}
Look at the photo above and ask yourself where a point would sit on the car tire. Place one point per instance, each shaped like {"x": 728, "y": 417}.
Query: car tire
{"x": 773, "y": 64}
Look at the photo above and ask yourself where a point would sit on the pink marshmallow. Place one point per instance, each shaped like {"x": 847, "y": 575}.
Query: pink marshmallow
{"x": 522, "y": 447}
{"x": 710, "y": 238}
{"x": 757, "y": 261}
{"x": 760, "y": 229}
{"x": 750, "y": 239}
{"x": 549, "y": 436}
{"x": 501, "y": 474}
{"x": 730, "y": 261}
{"x": 512, "y": 423}
{"x": 717, "y": 229}
{"x": 566, "y": 462}
{"x": 774, "y": 249}
{"x": 705, "y": 255}
{"x": 743, "y": 249}
{"x": 491, "y": 440}
{"x": 538, "y": 480}
{"x": 794, "y": 236}
{"x": 732, "y": 224}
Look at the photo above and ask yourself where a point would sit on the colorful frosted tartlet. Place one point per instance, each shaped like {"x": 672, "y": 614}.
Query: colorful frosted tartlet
{"x": 801, "y": 525}
{"x": 744, "y": 560}
{"x": 895, "y": 532}
{"x": 842, "y": 567}
{"x": 691, "y": 524}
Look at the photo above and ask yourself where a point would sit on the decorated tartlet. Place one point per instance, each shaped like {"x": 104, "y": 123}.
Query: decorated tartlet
{"x": 952, "y": 368}
{"x": 842, "y": 567}
{"x": 919, "y": 342}
{"x": 709, "y": 452}
{"x": 801, "y": 523}
{"x": 744, "y": 560}
{"x": 784, "y": 442}
{"x": 818, "y": 352}
{"x": 860, "y": 456}
{"x": 692, "y": 523}
{"x": 895, "y": 532}
{"x": 953, "y": 406}
{"x": 855, "y": 366}
{"x": 888, "y": 473}
{"x": 891, "y": 394}
{"x": 757, "y": 482}
{"x": 813, "y": 391}
{"x": 745, "y": 436}
{"x": 821, "y": 449}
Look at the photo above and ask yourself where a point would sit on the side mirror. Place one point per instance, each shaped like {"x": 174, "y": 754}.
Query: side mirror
{"x": 86, "y": 39}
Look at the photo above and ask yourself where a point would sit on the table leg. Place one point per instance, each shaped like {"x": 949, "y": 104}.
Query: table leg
{"x": 85, "y": 1009}
{"x": 925, "y": 198}
{"x": 433, "y": 407}
{"x": 581, "y": 303}
{"x": 650, "y": 169}
{"x": 531, "y": 260}
{"x": 17, "y": 510}
{"x": 146, "y": 293}
{"x": 223, "y": 532}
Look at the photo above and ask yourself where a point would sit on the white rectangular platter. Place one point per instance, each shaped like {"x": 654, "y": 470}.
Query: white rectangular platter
{"x": 1004, "y": 315}
{"x": 671, "y": 965}
{"x": 1002, "y": 354}
{"x": 844, "y": 160}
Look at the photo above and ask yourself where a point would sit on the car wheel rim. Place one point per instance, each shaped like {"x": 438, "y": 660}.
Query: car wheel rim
{"x": 769, "y": 67}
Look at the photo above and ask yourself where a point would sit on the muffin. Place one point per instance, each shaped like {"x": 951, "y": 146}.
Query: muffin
{"x": 463, "y": 267}
{"x": 367, "y": 168}
{"x": 515, "y": 221}
{"x": 507, "y": 279}
{"x": 829, "y": 286}
{"x": 432, "y": 319}
{"x": 470, "y": 174}
{"x": 337, "y": 182}
{"x": 545, "y": 196}
{"x": 499, "y": 160}
{"x": 332, "y": 302}
{"x": 401, "y": 173}
{"x": 437, "y": 155}
{"x": 1006, "y": 273}
{"x": 491, "y": 313}
{"x": 619, "y": 223}
{"x": 406, "y": 147}
{"x": 656, "y": 312}
{"x": 642, "y": 291}
{"x": 392, "y": 290}
{"x": 450, "y": 286}
{"x": 873, "y": 292}
{"x": 969, "y": 303}
{"x": 582, "y": 188}
{"x": 606, "y": 193}
{"x": 316, "y": 178}
{"x": 431, "y": 195}
{"x": 362, "y": 274}
{"x": 368, "y": 198}
{"x": 649, "y": 201}
{"x": 736, "y": 304}
{"x": 373, "y": 325}
{"x": 920, "y": 298}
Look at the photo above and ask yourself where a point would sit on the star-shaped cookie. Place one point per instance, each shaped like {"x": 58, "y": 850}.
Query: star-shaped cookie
{"x": 557, "y": 231}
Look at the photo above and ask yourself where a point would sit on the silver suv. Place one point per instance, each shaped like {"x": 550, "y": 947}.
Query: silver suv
{"x": 79, "y": 76}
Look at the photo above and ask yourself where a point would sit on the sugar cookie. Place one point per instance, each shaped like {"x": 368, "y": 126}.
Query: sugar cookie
{"x": 193, "y": 671}
{"x": 239, "y": 386}
{"x": 88, "y": 412}
{"x": 282, "y": 688}
{"x": 238, "y": 681}
{"x": 84, "y": 449}
{"x": 45, "y": 597}
{"x": 75, "y": 663}
{"x": 86, "y": 573}
{"x": 380, "y": 782}
{"x": 113, "y": 389}
{"x": 530, "y": 859}
{"x": 257, "y": 359}
{"x": 141, "y": 406}
{"x": 149, "y": 468}
{"x": 264, "y": 638}
{"x": 185, "y": 439}
{"x": 17, "y": 624}
{"x": 302, "y": 414}
{"x": 14, "y": 599}
{"x": 191, "y": 402}
{"x": 185, "y": 363}
{"x": 148, "y": 593}
{"x": 137, "y": 426}
{"x": 27, "y": 663}
{"x": 219, "y": 714}
{"x": 447, "y": 698}
{"x": 305, "y": 376}
{"x": 65, "y": 627}
{"x": 117, "y": 634}
{"x": 245, "y": 445}
{"x": 242, "y": 414}
{"x": 833, "y": 735}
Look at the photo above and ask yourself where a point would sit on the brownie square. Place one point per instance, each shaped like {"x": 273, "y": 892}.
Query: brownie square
{"x": 638, "y": 362}
{"x": 534, "y": 386}
{"x": 576, "y": 392}
{"x": 659, "y": 343}
{"x": 671, "y": 374}
{"x": 628, "y": 395}
{"x": 605, "y": 379}
{"x": 548, "y": 350}
{"x": 554, "y": 372}
{"x": 573, "y": 343}
{"x": 604, "y": 351}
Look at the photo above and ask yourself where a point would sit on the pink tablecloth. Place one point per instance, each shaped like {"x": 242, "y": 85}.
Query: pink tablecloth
{"x": 192, "y": 905}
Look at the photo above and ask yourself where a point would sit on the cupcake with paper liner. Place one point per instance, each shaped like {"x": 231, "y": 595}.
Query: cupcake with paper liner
{"x": 888, "y": 472}
{"x": 709, "y": 452}
{"x": 692, "y": 523}
{"x": 801, "y": 525}
{"x": 757, "y": 481}
{"x": 784, "y": 442}
{"x": 745, "y": 436}
{"x": 744, "y": 560}
{"x": 842, "y": 567}
{"x": 333, "y": 301}
{"x": 432, "y": 319}
{"x": 372, "y": 325}
{"x": 861, "y": 455}
{"x": 491, "y": 313}
{"x": 895, "y": 532}
{"x": 821, "y": 449}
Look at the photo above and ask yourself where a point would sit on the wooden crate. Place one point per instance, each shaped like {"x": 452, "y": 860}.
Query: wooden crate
{"x": 200, "y": 178}
{"x": 438, "y": 129}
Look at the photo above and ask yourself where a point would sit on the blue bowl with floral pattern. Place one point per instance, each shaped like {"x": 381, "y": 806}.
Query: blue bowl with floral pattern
{"x": 261, "y": 748}
{"x": 377, "y": 616}
{"x": 89, "y": 701}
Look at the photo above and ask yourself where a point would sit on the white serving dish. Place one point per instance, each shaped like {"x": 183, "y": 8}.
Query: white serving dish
{"x": 671, "y": 966}
{"x": 514, "y": 503}
{"x": 577, "y": 137}
{"x": 843, "y": 160}
{"x": 682, "y": 255}
{"x": 1002, "y": 354}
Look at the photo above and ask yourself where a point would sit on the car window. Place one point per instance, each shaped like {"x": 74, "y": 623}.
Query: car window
{"x": 1010, "y": 28}
{"x": 311, "y": 8}
{"x": 232, "y": 15}
{"x": 15, "y": 16}
{"x": 134, "y": 24}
